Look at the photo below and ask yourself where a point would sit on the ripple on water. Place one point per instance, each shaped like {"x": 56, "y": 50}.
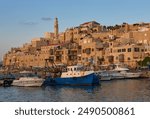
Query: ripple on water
{"x": 112, "y": 91}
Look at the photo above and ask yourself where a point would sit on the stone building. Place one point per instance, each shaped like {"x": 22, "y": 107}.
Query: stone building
{"x": 89, "y": 43}
{"x": 128, "y": 54}
{"x": 92, "y": 51}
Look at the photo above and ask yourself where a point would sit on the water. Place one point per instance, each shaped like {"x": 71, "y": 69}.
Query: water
{"x": 137, "y": 90}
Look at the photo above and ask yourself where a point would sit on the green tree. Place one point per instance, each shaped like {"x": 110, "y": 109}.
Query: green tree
{"x": 145, "y": 62}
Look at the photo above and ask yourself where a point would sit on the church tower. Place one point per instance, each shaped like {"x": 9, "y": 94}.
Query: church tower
{"x": 56, "y": 27}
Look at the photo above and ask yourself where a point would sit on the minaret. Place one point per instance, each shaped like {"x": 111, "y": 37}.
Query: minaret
{"x": 56, "y": 27}
{"x": 126, "y": 27}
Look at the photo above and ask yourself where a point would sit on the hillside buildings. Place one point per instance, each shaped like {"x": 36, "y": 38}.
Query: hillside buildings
{"x": 88, "y": 44}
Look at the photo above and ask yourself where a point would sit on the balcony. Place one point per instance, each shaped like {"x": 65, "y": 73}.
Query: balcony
{"x": 72, "y": 58}
{"x": 58, "y": 53}
{"x": 72, "y": 52}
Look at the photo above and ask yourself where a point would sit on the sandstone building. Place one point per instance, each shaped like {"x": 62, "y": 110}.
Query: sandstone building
{"x": 88, "y": 44}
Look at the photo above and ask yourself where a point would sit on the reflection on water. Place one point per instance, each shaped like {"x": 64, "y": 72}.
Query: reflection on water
{"x": 115, "y": 90}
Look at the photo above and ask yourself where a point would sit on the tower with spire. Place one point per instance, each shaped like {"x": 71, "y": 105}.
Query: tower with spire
{"x": 56, "y": 29}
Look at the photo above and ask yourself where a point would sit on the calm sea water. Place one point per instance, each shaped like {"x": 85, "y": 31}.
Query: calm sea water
{"x": 136, "y": 90}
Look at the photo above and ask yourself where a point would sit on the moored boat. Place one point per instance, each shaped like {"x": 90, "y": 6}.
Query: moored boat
{"x": 28, "y": 82}
{"x": 125, "y": 73}
{"x": 103, "y": 75}
{"x": 8, "y": 79}
{"x": 73, "y": 75}
{"x": 28, "y": 79}
{"x": 117, "y": 71}
{"x": 107, "y": 72}
{"x": 116, "y": 75}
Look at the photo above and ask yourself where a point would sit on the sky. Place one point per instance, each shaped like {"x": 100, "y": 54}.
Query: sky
{"x": 23, "y": 20}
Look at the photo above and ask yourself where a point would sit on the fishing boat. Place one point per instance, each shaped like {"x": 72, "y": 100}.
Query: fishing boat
{"x": 28, "y": 80}
{"x": 73, "y": 75}
{"x": 123, "y": 72}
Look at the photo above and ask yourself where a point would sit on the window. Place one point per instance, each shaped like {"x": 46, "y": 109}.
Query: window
{"x": 51, "y": 52}
{"x": 136, "y": 49}
{"x": 79, "y": 58}
{"x": 83, "y": 51}
{"x": 129, "y": 49}
{"x": 119, "y": 50}
{"x": 142, "y": 50}
{"x": 123, "y": 50}
{"x": 129, "y": 58}
{"x": 88, "y": 50}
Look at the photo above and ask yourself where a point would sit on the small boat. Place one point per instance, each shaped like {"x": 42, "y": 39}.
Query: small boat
{"x": 29, "y": 80}
{"x": 116, "y": 75}
{"x": 73, "y": 75}
{"x": 131, "y": 74}
{"x": 103, "y": 75}
{"x": 107, "y": 72}
{"x": 124, "y": 72}
{"x": 8, "y": 79}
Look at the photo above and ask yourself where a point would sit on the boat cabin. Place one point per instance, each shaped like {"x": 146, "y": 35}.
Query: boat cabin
{"x": 74, "y": 71}
{"x": 74, "y": 68}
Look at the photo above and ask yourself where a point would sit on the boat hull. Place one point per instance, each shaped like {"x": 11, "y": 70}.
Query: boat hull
{"x": 132, "y": 75}
{"x": 103, "y": 75}
{"x": 28, "y": 82}
{"x": 117, "y": 76}
{"x": 90, "y": 79}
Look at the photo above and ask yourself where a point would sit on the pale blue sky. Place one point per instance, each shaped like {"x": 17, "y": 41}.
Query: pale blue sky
{"x": 22, "y": 20}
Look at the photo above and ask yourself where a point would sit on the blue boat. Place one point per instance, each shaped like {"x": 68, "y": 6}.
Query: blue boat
{"x": 73, "y": 75}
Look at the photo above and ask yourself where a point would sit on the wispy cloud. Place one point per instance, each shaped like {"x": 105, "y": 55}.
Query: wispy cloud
{"x": 46, "y": 18}
{"x": 30, "y": 23}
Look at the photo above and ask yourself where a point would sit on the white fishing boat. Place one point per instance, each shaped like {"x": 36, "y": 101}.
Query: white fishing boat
{"x": 28, "y": 79}
{"x": 28, "y": 82}
{"x": 123, "y": 72}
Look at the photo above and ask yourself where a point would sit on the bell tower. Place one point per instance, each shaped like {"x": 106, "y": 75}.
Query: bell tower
{"x": 56, "y": 30}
